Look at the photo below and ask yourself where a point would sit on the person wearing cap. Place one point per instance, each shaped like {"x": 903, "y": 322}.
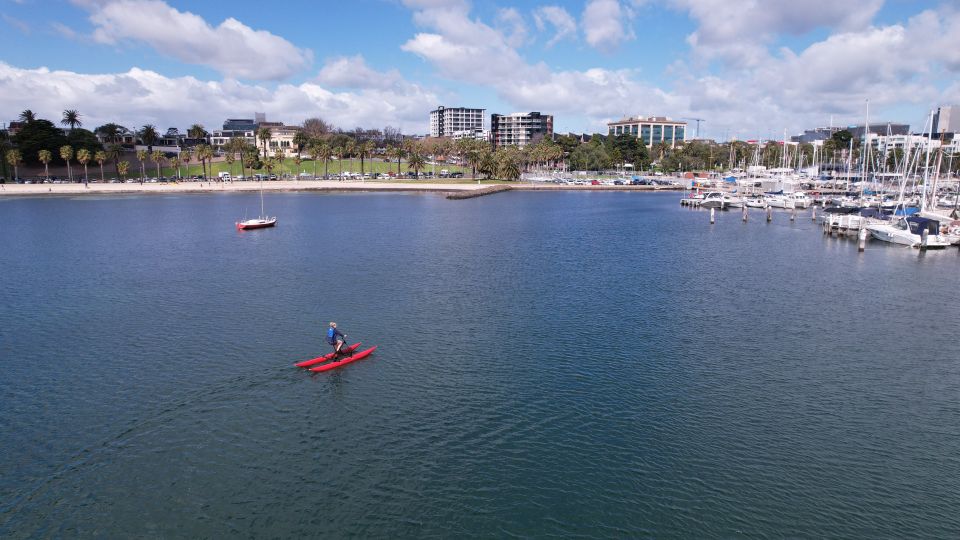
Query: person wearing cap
{"x": 335, "y": 338}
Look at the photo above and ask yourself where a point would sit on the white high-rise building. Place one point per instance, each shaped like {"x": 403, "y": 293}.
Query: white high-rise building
{"x": 446, "y": 121}
{"x": 946, "y": 120}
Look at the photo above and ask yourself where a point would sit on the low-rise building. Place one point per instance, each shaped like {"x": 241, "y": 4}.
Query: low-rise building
{"x": 650, "y": 129}
{"x": 520, "y": 129}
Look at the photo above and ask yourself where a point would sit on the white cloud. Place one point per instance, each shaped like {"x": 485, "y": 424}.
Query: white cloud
{"x": 512, "y": 25}
{"x": 606, "y": 24}
{"x": 741, "y": 33}
{"x": 232, "y": 48}
{"x": 564, "y": 25}
{"x": 16, "y": 23}
{"x": 469, "y": 51}
{"x": 139, "y": 97}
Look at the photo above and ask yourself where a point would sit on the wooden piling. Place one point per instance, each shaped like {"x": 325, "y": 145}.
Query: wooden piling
{"x": 769, "y": 213}
{"x": 862, "y": 241}
{"x": 713, "y": 216}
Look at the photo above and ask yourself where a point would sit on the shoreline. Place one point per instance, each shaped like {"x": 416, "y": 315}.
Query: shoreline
{"x": 37, "y": 190}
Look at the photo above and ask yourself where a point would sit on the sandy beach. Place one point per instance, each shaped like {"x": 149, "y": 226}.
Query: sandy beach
{"x": 297, "y": 185}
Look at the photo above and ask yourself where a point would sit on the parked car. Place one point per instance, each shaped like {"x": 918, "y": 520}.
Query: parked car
{"x": 618, "y": 182}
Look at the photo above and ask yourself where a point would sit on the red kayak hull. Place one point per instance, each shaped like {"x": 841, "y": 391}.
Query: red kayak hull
{"x": 324, "y": 358}
{"x": 333, "y": 365}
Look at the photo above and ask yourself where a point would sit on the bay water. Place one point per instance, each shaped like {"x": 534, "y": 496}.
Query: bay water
{"x": 549, "y": 364}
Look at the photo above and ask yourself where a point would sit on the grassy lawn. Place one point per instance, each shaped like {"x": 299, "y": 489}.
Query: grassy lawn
{"x": 289, "y": 167}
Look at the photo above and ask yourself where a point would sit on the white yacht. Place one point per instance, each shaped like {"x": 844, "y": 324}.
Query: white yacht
{"x": 713, "y": 199}
{"x": 800, "y": 199}
{"x": 755, "y": 201}
{"x": 908, "y": 232}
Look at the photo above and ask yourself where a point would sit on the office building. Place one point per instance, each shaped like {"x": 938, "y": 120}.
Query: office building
{"x": 520, "y": 129}
{"x": 651, "y": 129}
{"x": 446, "y": 121}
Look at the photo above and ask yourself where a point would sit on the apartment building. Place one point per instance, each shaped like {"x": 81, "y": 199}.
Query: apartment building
{"x": 447, "y": 121}
{"x": 520, "y": 129}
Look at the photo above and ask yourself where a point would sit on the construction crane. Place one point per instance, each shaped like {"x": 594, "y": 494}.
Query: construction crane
{"x": 697, "y": 120}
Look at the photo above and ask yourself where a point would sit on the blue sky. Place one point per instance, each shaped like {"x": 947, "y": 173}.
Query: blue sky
{"x": 751, "y": 68}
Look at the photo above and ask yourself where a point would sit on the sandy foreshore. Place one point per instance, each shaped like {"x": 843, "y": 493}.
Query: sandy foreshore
{"x": 299, "y": 185}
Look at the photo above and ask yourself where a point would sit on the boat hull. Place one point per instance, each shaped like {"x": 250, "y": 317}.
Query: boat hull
{"x": 251, "y": 224}
{"x": 324, "y": 358}
{"x": 333, "y": 365}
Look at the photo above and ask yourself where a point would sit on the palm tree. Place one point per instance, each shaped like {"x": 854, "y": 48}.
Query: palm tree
{"x": 100, "y": 156}
{"x": 27, "y": 116}
{"x": 45, "y": 157}
{"x": 507, "y": 167}
{"x": 230, "y": 158}
{"x": 71, "y": 118}
{"x": 122, "y": 168}
{"x": 416, "y": 161}
{"x": 175, "y": 162}
{"x": 339, "y": 153}
{"x": 325, "y": 153}
{"x": 114, "y": 152}
{"x": 15, "y": 158}
{"x": 249, "y": 156}
{"x": 157, "y": 156}
{"x": 278, "y": 157}
{"x": 300, "y": 140}
{"x": 349, "y": 148}
{"x": 186, "y": 156}
{"x": 149, "y": 136}
{"x": 314, "y": 148}
{"x": 142, "y": 156}
{"x": 83, "y": 156}
{"x": 66, "y": 154}
{"x": 197, "y": 131}
{"x": 364, "y": 150}
{"x": 264, "y": 135}
{"x": 204, "y": 153}
{"x": 397, "y": 152}
{"x": 110, "y": 132}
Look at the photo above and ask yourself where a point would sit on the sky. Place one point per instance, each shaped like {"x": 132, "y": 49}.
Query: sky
{"x": 748, "y": 68}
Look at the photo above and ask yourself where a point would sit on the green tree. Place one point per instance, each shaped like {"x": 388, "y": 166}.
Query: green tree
{"x": 110, "y": 132}
{"x": 397, "y": 151}
{"x": 415, "y": 159}
{"x": 197, "y": 132}
{"x": 364, "y": 150}
{"x": 325, "y": 153}
{"x": 175, "y": 163}
{"x": 100, "y": 157}
{"x": 157, "y": 156}
{"x": 251, "y": 158}
{"x": 264, "y": 135}
{"x": 122, "y": 168}
{"x": 186, "y": 156}
{"x": 83, "y": 157}
{"x": 15, "y": 158}
{"x": 46, "y": 157}
{"x": 114, "y": 152}
{"x": 300, "y": 140}
{"x": 204, "y": 154}
{"x": 71, "y": 118}
{"x": 349, "y": 148}
{"x": 38, "y": 135}
{"x": 27, "y": 116}
{"x": 148, "y": 135}
{"x": 142, "y": 157}
{"x": 507, "y": 164}
{"x": 66, "y": 154}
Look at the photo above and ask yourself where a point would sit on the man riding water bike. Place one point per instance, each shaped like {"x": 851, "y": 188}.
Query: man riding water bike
{"x": 335, "y": 338}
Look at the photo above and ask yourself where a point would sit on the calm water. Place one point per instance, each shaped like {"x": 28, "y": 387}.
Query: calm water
{"x": 550, "y": 364}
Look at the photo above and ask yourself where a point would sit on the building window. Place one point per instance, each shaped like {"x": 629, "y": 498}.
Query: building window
{"x": 657, "y": 133}
{"x": 668, "y": 133}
